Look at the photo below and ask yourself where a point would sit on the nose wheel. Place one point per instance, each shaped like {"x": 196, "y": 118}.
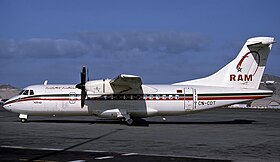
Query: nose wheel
{"x": 23, "y": 117}
{"x": 23, "y": 120}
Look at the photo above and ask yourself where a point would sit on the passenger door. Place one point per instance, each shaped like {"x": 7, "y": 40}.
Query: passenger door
{"x": 190, "y": 98}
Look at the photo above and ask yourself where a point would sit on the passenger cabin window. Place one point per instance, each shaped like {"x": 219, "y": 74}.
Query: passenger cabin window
{"x": 157, "y": 97}
{"x": 145, "y": 97}
{"x": 170, "y": 97}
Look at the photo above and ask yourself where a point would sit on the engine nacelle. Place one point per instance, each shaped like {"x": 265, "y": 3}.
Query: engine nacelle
{"x": 99, "y": 87}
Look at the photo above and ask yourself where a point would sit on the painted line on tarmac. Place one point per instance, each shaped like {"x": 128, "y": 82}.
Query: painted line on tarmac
{"x": 91, "y": 151}
{"x": 104, "y": 157}
{"x": 14, "y": 147}
{"x": 94, "y": 151}
{"x": 129, "y": 154}
{"x": 31, "y": 148}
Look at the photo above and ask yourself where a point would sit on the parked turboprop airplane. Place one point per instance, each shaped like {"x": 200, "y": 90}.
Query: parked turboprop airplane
{"x": 126, "y": 98}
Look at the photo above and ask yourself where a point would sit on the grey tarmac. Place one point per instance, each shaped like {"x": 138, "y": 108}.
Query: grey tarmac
{"x": 221, "y": 134}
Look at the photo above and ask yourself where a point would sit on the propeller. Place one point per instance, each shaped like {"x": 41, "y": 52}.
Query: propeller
{"x": 82, "y": 86}
{"x": 87, "y": 74}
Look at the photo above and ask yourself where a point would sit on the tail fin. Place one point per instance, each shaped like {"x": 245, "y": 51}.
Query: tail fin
{"x": 245, "y": 71}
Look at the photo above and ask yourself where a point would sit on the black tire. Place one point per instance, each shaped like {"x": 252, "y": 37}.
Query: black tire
{"x": 23, "y": 120}
{"x": 129, "y": 121}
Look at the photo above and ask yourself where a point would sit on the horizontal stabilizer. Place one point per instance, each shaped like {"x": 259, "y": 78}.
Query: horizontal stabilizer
{"x": 260, "y": 43}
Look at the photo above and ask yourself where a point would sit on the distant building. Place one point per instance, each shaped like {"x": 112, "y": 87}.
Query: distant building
{"x": 266, "y": 103}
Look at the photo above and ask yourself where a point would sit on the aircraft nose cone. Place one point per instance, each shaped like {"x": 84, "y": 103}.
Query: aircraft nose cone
{"x": 7, "y": 106}
{"x": 4, "y": 106}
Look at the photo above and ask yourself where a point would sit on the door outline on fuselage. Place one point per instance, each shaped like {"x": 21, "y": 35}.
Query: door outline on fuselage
{"x": 190, "y": 99}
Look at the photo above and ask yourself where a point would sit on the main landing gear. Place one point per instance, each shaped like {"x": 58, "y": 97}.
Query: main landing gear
{"x": 23, "y": 118}
{"x": 124, "y": 116}
{"x": 127, "y": 121}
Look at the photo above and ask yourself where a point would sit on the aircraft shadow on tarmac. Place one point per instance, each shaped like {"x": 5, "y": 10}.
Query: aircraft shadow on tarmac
{"x": 142, "y": 122}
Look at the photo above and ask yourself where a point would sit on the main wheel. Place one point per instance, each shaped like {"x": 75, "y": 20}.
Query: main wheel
{"x": 129, "y": 122}
{"x": 23, "y": 120}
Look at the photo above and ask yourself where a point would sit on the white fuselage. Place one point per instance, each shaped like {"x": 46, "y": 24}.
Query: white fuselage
{"x": 125, "y": 97}
{"x": 155, "y": 100}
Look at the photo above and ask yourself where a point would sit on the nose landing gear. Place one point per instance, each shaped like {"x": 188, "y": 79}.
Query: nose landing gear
{"x": 23, "y": 117}
{"x": 23, "y": 120}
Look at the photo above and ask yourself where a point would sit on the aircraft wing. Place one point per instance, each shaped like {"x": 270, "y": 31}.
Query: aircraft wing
{"x": 127, "y": 83}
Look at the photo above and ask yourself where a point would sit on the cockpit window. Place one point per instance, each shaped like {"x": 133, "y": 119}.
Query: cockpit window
{"x": 31, "y": 92}
{"x": 26, "y": 92}
{"x": 21, "y": 92}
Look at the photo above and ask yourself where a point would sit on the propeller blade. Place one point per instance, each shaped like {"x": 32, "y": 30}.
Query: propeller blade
{"x": 82, "y": 86}
{"x": 87, "y": 74}
{"x": 83, "y": 75}
{"x": 83, "y": 97}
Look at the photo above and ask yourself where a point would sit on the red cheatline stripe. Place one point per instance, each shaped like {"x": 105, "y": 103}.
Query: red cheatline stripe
{"x": 230, "y": 97}
{"x": 50, "y": 99}
{"x": 154, "y": 99}
{"x": 213, "y": 98}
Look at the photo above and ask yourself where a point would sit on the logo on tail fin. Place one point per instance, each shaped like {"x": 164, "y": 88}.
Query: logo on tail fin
{"x": 254, "y": 54}
{"x": 245, "y": 77}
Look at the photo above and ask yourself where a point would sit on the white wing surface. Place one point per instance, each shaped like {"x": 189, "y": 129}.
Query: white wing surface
{"x": 127, "y": 84}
